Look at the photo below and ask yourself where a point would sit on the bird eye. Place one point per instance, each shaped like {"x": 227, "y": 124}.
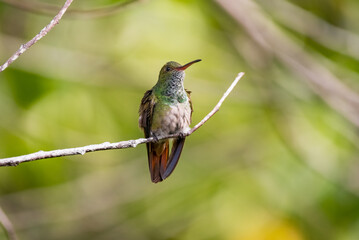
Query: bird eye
{"x": 168, "y": 69}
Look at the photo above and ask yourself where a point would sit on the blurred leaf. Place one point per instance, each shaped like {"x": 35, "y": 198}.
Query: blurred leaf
{"x": 26, "y": 87}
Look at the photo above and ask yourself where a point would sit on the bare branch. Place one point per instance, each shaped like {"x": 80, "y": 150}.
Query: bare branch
{"x": 14, "y": 161}
{"x": 40, "y": 35}
{"x": 7, "y": 226}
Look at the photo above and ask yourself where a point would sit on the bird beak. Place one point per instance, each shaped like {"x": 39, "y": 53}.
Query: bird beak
{"x": 183, "y": 67}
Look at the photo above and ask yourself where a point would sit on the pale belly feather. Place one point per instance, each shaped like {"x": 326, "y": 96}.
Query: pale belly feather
{"x": 171, "y": 119}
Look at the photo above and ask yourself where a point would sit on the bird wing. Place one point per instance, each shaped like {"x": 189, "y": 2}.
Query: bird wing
{"x": 176, "y": 151}
{"x": 146, "y": 112}
{"x": 190, "y": 102}
{"x": 157, "y": 153}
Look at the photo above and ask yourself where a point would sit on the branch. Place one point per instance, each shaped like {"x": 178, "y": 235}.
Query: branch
{"x": 7, "y": 225}
{"x": 14, "y": 161}
{"x": 216, "y": 108}
{"x": 40, "y": 35}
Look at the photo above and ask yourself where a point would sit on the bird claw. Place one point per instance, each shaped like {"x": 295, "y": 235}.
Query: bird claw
{"x": 155, "y": 137}
{"x": 182, "y": 135}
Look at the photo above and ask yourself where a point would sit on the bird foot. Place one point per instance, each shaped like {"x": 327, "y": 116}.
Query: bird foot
{"x": 182, "y": 135}
{"x": 155, "y": 137}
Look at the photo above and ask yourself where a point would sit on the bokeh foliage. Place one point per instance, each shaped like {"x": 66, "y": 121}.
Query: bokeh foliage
{"x": 276, "y": 162}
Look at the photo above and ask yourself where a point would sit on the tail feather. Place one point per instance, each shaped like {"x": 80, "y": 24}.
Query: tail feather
{"x": 176, "y": 151}
{"x": 157, "y": 159}
{"x": 164, "y": 159}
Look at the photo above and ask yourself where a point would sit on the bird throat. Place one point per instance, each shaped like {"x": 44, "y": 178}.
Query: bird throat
{"x": 171, "y": 91}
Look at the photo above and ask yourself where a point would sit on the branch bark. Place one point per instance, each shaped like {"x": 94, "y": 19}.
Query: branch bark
{"x": 7, "y": 226}
{"x": 40, "y": 35}
{"x": 14, "y": 161}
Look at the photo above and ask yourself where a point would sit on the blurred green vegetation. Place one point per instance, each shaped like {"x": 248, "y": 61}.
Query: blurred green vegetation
{"x": 277, "y": 162}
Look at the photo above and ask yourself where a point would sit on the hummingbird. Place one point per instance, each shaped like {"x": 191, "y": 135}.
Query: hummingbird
{"x": 166, "y": 109}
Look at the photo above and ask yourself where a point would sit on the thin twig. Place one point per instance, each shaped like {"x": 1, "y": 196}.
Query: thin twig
{"x": 7, "y": 225}
{"x": 14, "y": 161}
{"x": 40, "y": 35}
{"x": 216, "y": 108}
{"x": 50, "y": 9}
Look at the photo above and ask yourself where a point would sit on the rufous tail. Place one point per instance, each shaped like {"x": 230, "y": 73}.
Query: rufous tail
{"x": 157, "y": 159}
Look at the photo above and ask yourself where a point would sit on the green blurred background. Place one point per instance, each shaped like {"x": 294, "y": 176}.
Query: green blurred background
{"x": 279, "y": 161}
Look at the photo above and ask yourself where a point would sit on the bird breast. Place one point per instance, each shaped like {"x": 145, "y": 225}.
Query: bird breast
{"x": 171, "y": 119}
